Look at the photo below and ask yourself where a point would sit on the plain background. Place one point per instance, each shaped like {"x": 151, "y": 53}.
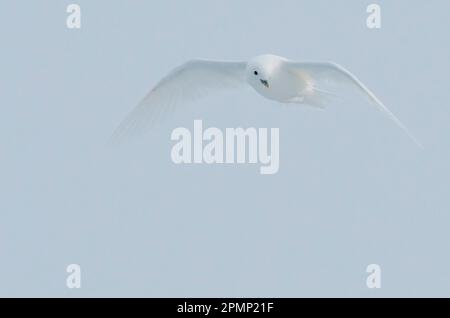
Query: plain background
{"x": 352, "y": 189}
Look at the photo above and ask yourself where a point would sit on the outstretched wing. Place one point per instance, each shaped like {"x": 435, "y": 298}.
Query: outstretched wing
{"x": 334, "y": 73}
{"x": 189, "y": 81}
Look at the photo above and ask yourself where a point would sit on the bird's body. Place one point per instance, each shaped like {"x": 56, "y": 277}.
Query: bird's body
{"x": 273, "y": 77}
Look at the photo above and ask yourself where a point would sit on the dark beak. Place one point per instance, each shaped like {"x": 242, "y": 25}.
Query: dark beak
{"x": 265, "y": 83}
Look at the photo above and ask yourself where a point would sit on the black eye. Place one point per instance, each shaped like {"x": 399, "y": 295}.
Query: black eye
{"x": 255, "y": 72}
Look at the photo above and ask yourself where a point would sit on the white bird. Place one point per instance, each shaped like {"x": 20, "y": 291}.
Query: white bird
{"x": 273, "y": 77}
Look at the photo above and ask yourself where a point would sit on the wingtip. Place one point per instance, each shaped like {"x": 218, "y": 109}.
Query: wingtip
{"x": 420, "y": 145}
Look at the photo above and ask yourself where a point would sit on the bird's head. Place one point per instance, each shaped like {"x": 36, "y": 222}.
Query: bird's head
{"x": 257, "y": 76}
{"x": 260, "y": 70}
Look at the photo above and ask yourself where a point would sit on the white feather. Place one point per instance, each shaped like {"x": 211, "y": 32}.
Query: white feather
{"x": 332, "y": 72}
{"x": 189, "y": 81}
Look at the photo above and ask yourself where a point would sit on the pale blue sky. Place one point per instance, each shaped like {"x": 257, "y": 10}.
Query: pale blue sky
{"x": 352, "y": 189}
